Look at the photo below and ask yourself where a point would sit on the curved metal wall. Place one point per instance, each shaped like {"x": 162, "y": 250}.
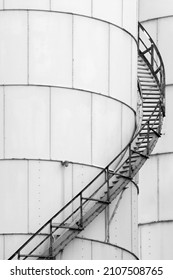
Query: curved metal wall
{"x": 155, "y": 199}
{"x": 67, "y": 92}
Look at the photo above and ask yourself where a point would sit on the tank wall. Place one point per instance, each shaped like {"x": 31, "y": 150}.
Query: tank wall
{"x": 62, "y": 99}
{"x": 119, "y": 12}
{"x": 109, "y": 228}
{"x": 87, "y": 249}
{"x": 154, "y": 235}
{"x": 62, "y": 124}
{"x": 155, "y": 205}
{"x": 154, "y": 9}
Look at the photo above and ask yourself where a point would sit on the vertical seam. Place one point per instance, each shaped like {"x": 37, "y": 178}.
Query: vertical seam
{"x": 50, "y": 5}
{"x": 121, "y": 134}
{"x": 131, "y": 74}
{"x": 91, "y": 129}
{"x": 3, "y": 4}
{"x": 72, "y": 186}
{"x": 28, "y": 47}
{"x": 122, "y": 254}
{"x": 72, "y": 51}
{"x": 50, "y": 122}
{"x": 158, "y": 193}
{"x": 131, "y": 218}
{"x": 28, "y": 200}
{"x": 140, "y": 246}
{"x": 91, "y": 8}
{"x": 4, "y": 246}
{"x": 4, "y": 124}
{"x": 91, "y": 250}
{"x": 157, "y": 35}
{"x": 108, "y": 59}
{"x": 122, "y": 13}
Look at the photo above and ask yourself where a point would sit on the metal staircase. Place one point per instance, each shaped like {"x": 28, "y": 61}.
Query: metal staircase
{"x": 65, "y": 225}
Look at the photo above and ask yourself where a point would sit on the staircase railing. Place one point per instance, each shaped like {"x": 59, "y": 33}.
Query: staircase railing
{"x": 71, "y": 215}
{"x": 152, "y": 57}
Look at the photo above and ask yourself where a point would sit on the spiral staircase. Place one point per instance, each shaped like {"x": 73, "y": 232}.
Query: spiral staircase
{"x": 65, "y": 225}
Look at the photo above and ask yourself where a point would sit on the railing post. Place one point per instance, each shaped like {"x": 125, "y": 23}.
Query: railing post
{"x": 108, "y": 185}
{"x": 81, "y": 211}
{"x": 148, "y": 136}
{"x": 51, "y": 242}
{"x": 160, "y": 114}
{"x": 18, "y": 256}
{"x": 152, "y": 55}
{"x": 130, "y": 161}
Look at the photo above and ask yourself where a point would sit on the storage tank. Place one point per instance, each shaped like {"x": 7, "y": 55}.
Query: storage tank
{"x": 156, "y": 192}
{"x": 68, "y": 89}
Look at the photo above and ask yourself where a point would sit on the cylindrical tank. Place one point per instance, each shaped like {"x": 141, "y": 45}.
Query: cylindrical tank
{"x": 156, "y": 192}
{"x": 67, "y": 94}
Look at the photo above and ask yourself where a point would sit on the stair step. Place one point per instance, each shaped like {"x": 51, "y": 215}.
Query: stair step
{"x": 32, "y": 256}
{"x": 150, "y": 102}
{"x": 96, "y": 200}
{"x": 149, "y": 81}
{"x": 65, "y": 226}
{"x": 139, "y": 153}
{"x": 149, "y": 86}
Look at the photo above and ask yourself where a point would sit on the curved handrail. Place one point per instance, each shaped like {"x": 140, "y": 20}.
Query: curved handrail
{"x": 158, "y": 113}
{"x": 155, "y": 62}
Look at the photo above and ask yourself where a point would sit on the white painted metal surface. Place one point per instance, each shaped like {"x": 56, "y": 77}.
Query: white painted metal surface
{"x": 50, "y": 49}
{"x": 13, "y": 47}
{"x": 91, "y": 54}
{"x": 27, "y": 4}
{"x": 27, "y": 112}
{"x": 148, "y": 195}
{"x": 1, "y": 121}
{"x": 130, "y": 16}
{"x": 108, "y": 10}
{"x": 156, "y": 241}
{"x": 14, "y": 197}
{"x": 119, "y": 88}
{"x": 165, "y": 142}
{"x": 156, "y": 8}
{"x": 72, "y": 6}
{"x": 71, "y": 125}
